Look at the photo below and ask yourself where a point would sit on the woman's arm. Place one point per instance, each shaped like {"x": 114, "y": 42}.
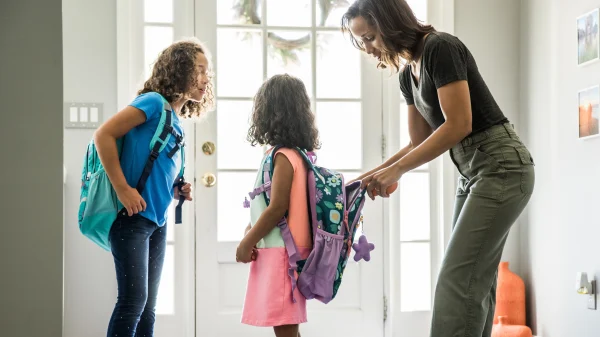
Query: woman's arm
{"x": 418, "y": 130}
{"x": 105, "y": 139}
{"x": 455, "y": 103}
{"x": 281, "y": 186}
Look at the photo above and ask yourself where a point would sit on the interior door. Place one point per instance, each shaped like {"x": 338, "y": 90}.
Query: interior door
{"x": 249, "y": 44}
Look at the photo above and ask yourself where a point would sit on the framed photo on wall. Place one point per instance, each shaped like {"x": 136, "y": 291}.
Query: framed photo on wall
{"x": 589, "y": 112}
{"x": 588, "y": 38}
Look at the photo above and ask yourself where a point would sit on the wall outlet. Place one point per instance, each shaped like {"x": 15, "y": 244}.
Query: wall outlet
{"x": 592, "y": 297}
{"x": 82, "y": 115}
{"x": 592, "y": 302}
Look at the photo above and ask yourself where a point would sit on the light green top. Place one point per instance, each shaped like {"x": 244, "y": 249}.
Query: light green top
{"x": 257, "y": 207}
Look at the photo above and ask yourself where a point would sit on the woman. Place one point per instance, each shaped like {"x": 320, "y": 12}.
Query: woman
{"x": 450, "y": 108}
{"x": 180, "y": 83}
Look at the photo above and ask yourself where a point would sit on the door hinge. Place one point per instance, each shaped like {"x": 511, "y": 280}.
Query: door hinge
{"x": 385, "y": 308}
{"x": 383, "y": 147}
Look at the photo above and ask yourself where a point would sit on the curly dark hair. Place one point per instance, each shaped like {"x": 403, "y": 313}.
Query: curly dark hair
{"x": 401, "y": 31}
{"x": 281, "y": 115}
{"x": 175, "y": 73}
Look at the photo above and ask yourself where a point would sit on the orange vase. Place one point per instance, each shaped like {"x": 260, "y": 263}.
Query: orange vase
{"x": 503, "y": 329}
{"x": 510, "y": 297}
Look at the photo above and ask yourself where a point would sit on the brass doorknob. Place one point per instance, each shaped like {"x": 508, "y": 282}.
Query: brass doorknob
{"x": 208, "y": 148}
{"x": 209, "y": 179}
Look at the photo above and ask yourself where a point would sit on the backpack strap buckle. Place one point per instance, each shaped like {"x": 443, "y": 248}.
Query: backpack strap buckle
{"x": 259, "y": 190}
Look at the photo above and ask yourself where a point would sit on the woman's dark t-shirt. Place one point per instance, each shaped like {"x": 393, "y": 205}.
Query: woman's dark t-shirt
{"x": 446, "y": 59}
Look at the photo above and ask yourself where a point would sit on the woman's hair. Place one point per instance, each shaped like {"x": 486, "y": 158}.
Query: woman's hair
{"x": 401, "y": 32}
{"x": 175, "y": 74}
{"x": 281, "y": 115}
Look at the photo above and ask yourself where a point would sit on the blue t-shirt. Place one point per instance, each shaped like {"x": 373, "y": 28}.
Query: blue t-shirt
{"x": 158, "y": 192}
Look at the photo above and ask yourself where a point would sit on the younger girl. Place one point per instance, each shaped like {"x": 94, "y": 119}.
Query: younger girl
{"x": 281, "y": 116}
{"x": 138, "y": 238}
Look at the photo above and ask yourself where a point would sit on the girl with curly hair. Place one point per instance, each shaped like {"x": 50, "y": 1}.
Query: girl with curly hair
{"x": 181, "y": 75}
{"x": 281, "y": 116}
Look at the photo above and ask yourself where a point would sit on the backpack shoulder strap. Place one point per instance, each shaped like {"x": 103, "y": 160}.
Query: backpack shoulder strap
{"x": 157, "y": 144}
{"x": 159, "y": 141}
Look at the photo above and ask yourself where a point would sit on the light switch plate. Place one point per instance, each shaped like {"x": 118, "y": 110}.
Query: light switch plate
{"x": 83, "y": 115}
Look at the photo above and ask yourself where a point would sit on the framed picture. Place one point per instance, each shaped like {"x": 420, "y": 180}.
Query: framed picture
{"x": 589, "y": 112}
{"x": 588, "y": 42}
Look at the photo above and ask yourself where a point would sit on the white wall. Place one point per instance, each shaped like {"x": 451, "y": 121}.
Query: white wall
{"x": 561, "y": 231}
{"x": 491, "y": 30}
{"x": 90, "y": 75}
{"x": 31, "y": 141}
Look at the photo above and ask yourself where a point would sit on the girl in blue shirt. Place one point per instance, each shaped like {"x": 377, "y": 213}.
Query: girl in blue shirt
{"x": 181, "y": 75}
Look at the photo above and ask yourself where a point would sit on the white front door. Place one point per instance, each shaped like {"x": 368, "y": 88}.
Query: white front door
{"x": 249, "y": 45}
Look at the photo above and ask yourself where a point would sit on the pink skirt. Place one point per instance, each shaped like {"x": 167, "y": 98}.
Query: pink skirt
{"x": 268, "y": 300}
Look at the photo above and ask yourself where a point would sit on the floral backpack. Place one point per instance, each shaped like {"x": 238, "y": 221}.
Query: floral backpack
{"x": 335, "y": 214}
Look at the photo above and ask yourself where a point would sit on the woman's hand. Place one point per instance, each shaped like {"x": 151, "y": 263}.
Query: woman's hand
{"x": 131, "y": 200}
{"x": 381, "y": 180}
{"x": 185, "y": 190}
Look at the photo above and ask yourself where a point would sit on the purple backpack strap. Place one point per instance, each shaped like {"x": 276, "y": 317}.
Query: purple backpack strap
{"x": 265, "y": 188}
{"x": 292, "y": 251}
{"x": 312, "y": 156}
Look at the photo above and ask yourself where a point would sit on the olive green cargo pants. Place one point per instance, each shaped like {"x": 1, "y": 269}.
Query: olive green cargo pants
{"x": 496, "y": 182}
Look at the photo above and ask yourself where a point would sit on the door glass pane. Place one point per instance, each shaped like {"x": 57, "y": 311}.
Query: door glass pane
{"x": 233, "y": 12}
{"x": 233, "y": 150}
{"x": 338, "y": 67}
{"x": 232, "y": 217}
{"x": 289, "y": 52}
{"x": 294, "y": 13}
{"x": 239, "y": 62}
{"x": 158, "y": 11}
{"x": 340, "y": 131}
{"x": 156, "y": 39}
{"x": 329, "y": 13}
{"x": 414, "y": 207}
{"x": 415, "y": 277}
{"x": 165, "y": 302}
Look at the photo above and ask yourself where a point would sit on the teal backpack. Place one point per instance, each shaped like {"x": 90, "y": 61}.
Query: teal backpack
{"x": 99, "y": 205}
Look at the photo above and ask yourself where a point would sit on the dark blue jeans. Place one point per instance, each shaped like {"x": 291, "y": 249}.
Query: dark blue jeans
{"x": 138, "y": 247}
